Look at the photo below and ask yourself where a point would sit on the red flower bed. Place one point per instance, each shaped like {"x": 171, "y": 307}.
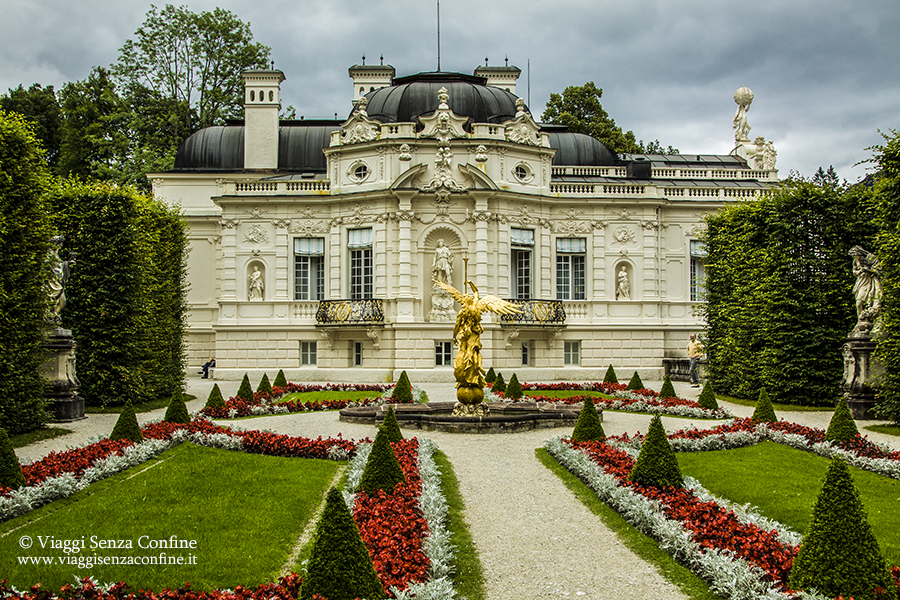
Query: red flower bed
{"x": 71, "y": 461}
{"x": 244, "y": 408}
{"x": 392, "y": 526}
{"x": 712, "y": 526}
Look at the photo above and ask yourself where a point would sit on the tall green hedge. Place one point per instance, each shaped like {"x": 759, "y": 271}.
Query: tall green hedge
{"x": 127, "y": 292}
{"x": 887, "y": 195}
{"x": 778, "y": 289}
{"x": 24, "y": 242}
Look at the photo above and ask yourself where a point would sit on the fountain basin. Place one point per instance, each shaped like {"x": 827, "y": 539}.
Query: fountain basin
{"x": 505, "y": 417}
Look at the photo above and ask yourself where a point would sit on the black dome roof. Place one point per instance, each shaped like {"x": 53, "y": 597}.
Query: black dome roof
{"x": 221, "y": 147}
{"x": 580, "y": 150}
{"x": 417, "y": 95}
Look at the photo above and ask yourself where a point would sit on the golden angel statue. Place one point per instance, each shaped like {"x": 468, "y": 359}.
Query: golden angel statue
{"x": 467, "y": 367}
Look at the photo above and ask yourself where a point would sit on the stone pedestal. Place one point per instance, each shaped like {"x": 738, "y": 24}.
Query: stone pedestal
{"x": 63, "y": 400}
{"x": 441, "y": 306}
{"x": 862, "y": 375}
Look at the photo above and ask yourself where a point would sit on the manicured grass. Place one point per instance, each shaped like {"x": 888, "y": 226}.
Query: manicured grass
{"x": 644, "y": 547}
{"x": 245, "y": 512}
{"x": 567, "y": 394}
{"x": 468, "y": 577}
{"x": 317, "y": 397}
{"x": 138, "y": 408}
{"x": 886, "y": 429}
{"x": 784, "y": 483}
{"x": 778, "y": 407}
{"x": 47, "y": 433}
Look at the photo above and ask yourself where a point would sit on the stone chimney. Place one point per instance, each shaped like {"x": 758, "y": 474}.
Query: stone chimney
{"x": 368, "y": 78}
{"x": 502, "y": 77}
{"x": 262, "y": 104}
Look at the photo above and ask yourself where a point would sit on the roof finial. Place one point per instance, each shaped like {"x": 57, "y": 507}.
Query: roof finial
{"x": 382, "y": 58}
{"x": 273, "y": 65}
{"x": 506, "y": 60}
{"x": 364, "y": 60}
{"x": 485, "y": 61}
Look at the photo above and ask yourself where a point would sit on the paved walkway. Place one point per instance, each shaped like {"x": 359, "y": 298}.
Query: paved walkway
{"x": 535, "y": 539}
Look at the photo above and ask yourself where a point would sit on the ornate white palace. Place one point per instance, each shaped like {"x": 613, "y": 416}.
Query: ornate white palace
{"x": 314, "y": 243}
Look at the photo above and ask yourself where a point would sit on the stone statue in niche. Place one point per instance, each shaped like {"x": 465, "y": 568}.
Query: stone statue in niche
{"x": 441, "y": 269}
{"x": 867, "y": 290}
{"x": 256, "y": 287}
{"x": 442, "y": 265}
{"x": 59, "y": 276}
{"x": 623, "y": 286}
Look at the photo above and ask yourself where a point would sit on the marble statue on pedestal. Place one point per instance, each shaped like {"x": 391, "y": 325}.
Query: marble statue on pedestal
{"x": 862, "y": 371}
{"x": 59, "y": 276}
{"x": 441, "y": 269}
{"x": 867, "y": 290}
{"x": 623, "y": 286}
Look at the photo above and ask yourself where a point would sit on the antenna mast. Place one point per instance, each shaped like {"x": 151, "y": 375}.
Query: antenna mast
{"x": 439, "y": 34}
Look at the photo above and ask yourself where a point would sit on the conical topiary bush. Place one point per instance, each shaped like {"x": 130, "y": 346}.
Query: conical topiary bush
{"x": 177, "y": 411}
{"x": 391, "y": 427}
{"x": 513, "y": 388}
{"x": 245, "y": 392}
{"x": 610, "y": 376}
{"x": 490, "y": 376}
{"x": 842, "y": 426}
{"x": 764, "y": 409}
{"x": 667, "y": 390}
{"x": 280, "y": 380}
{"x": 382, "y": 470}
{"x": 126, "y": 427}
{"x": 402, "y": 393}
{"x": 635, "y": 383}
{"x": 839, "y": 554}
{"x": 588, "y": 427}
{"x": 339, "y": 567}
{"x": 215, "y": 399}
{"x": 10, "y": 469}
{"x": 656, "y": 464}
{"x": 499, "y": 385}
{"x": 264, "y": 385}
{"x": 708, "y": 398}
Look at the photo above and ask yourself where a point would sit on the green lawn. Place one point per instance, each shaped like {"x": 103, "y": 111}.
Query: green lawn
{"x": 784, "y": 483}
{"x": 777, "y": 407}
{"x": 46, "y": 433}
{"x": 317, "y": 397}
{"x": 243, "y": 511}
{"x": 886, "y": 429}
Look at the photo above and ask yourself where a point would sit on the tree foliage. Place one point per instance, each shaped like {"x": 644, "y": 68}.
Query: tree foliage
{"x": 40, "y": 106}
{"x": 842, "y": 427}
{"x": 656, "y": 465}
{"x": 126, "y": 427}
{"x": 610, "y": 376}
{"x": 764, "y": 410}
{"x": 24, "y": 243}
{"x": 579, "y": 109}
{"x": 887, "y": 195}
{"x": 513, "y": 388}
{"x": 588, "y": 427}
{"x": 11, "y": 475}
{"x": 382, "y": 470}
{"x": 778, "y": 289}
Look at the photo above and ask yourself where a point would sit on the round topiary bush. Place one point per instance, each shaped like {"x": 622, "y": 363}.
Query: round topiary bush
{"x": 588, "y": 427}
{"x": 215, "y": 399}
{"x": 708, "y": 398}
{"x": 764, "y": 412}
{"x": 610, "y": 376}
{"x": 513, "y": 388}
{"x": 839, "y": 554}
{"x": 391, "y": 427}
{"x": 842, "y": 426}
{"x": 339, "y": 567}
{"x": 280, "y": 380}
{"x": 656, "y": 464}
{"x": 177, "y": 411}
{"x": 490, "y": 376}
{"x": 245, "y": 392}
{"x": 402, "y": 393}
{"x": 382, "y": 470}
{"x": 10, "y": 469}
{"x": 499, "y": 385}
{"x": 264, "y": 385}
{"x": 126, "y": 427}
{"x": 667, "y": 390}
{"x": 635, "y": 383}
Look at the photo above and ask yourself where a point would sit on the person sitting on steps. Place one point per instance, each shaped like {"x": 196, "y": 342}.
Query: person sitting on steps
{"x": 204, "y": 370}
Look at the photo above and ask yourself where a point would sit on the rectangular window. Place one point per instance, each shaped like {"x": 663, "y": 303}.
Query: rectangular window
{"x": 307, "y": 353}
{"x": 570, "y": 254}
{"x": 360, "y": 245}
{"x": 698, "y": 270}
{"x": 522, "y": 241}
{"x": 357, "y": 354}
{"x": 443, "y": 354}
{"x": 572, "y": 353}
{"x": 309, "y": 268}
{"x": 526, "y": 354}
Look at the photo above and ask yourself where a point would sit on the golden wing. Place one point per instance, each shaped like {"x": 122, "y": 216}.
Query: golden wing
{"x": 497, "y": 305}
{"x": 457, "y": 295}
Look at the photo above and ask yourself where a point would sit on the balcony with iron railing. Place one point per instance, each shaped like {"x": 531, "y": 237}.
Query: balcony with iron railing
{"x": 536, "y": 313}
{"x": 343, "y": 313}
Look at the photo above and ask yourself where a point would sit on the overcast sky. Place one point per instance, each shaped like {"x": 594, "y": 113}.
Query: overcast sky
{"x": 825, "y": 73}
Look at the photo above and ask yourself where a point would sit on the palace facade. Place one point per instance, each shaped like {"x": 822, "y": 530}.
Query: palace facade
{"x": 314, "y": 243}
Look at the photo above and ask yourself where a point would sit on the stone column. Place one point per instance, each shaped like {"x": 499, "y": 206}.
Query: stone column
{"x": 405, "y": 295}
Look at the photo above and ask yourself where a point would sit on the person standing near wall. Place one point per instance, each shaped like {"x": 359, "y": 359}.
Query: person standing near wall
{"x": 695, "y": 353}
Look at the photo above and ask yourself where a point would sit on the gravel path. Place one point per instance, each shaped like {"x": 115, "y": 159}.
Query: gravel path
{"x": 535, "y": 539}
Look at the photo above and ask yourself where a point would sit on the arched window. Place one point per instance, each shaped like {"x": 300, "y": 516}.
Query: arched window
{"x": 252, "y": 96}
{"x": 271, "y": 95}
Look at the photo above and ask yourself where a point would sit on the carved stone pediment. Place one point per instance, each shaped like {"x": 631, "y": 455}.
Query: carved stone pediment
{"x": 359, "y": 127}
{"x": 523, "y": 129}
{"x": 443, "y": 124}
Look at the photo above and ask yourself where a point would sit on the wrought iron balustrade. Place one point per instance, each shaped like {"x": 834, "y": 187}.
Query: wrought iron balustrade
{"x": 536, "y": 312}
{"x": 350, "y": 312}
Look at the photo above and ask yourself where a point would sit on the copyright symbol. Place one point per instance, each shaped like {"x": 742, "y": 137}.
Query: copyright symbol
{"x": 25, "y": 541}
